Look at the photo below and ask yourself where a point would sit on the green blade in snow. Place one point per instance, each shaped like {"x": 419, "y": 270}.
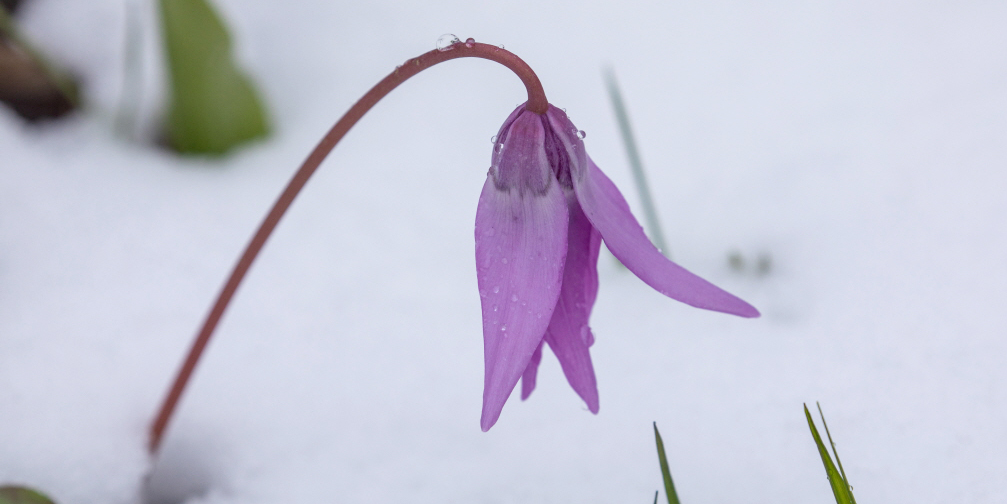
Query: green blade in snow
{"x": 669, "y": 485}
{"x": 840, "y": 485}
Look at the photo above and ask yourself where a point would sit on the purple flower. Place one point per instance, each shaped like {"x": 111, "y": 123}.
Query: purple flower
{"x": 543, "y": 212}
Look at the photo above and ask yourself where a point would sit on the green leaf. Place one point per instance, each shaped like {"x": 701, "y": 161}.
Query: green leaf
{"x": 840, "y": 485}
{"x": 669, "y": 485}
{"x": 22, "y": 495}
{"x": 213, "y": 104}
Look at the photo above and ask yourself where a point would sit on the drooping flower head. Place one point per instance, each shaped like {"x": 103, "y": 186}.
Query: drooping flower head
{"x": 543, "y": 212}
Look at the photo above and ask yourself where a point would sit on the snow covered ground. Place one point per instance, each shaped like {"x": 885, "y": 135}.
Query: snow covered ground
{"x": 861, "y": 146}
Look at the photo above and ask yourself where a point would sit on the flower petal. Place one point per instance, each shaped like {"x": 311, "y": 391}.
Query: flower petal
{"x": 568, "y": 334}
{"x": 521, "y": 234}
{"x": 530, "y": 374}
{"x": 608, "y": 211}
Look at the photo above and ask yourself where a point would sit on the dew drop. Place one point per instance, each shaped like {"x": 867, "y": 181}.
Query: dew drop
{"x": 513, "y": 297}
{"x": 446, "y": 41}
{"x": 497, "y": 148}
{"x": 493, "y": 139}
{"x": 581, "y": 134}
{"x": 470, "y": 42}
{"x": 496, "y": 307}
{"x": 496, "y": 290}
{"x": 503, "y": 328}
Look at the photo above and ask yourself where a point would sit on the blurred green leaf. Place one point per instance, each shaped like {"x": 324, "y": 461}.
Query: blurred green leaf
{"x": 837, "y": 478}
{"x": 213, "y": 104}
{"x": 669, "y": 485}
{"x": 22, "y": 495}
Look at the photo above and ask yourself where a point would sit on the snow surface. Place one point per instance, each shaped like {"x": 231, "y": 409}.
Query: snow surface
{"x": 860, "y": 145}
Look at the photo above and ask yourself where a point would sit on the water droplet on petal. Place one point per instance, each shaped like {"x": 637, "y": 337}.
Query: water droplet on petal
{"x": 503, "y": 328}
{"x": 497, "y": 148}
{"x": 496, "y": 290}
{"x": 496, "y": 307}
{"x": 586, "y": 336}
{"x": 513, "y": 297}
{"x": 446, "y": 41}
{"x": 581, "y": 134}
{"x": 493, "y": 139}
{"x": 470, "y": 42}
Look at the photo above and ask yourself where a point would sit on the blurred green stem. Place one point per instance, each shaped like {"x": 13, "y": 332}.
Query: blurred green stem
{"x": 132, "y": 73}
{"x": 649, "y": 212}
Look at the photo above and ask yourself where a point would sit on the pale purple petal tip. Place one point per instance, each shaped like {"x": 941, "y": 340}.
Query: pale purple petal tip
{"x": 521, "y": 227}
{"x": 528, "y": 378}
{"x": 569, "y": 335}
{"x": 608, "y": 211}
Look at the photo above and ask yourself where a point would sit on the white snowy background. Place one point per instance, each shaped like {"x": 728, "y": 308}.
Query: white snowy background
{"x": 860, "y": 146}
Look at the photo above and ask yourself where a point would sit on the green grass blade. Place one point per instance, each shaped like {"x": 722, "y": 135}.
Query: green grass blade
{"x": 669, "y": 485}
{"x": 834, "y": 452}
{"x": 840, "y": 486}
{"x": 213, "y": 104}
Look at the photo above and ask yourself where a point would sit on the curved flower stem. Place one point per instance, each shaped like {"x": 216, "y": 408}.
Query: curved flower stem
{"x": 536, "y": 103}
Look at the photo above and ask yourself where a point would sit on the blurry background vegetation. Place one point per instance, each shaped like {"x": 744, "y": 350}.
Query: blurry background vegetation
{"x": 213, "y": 106}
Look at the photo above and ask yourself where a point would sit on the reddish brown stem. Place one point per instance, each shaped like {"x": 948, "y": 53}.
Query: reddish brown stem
{"x": 536, "y": 103}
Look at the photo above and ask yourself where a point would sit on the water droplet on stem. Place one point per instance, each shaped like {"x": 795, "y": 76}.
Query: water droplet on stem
{"x": 446, "y": 41}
